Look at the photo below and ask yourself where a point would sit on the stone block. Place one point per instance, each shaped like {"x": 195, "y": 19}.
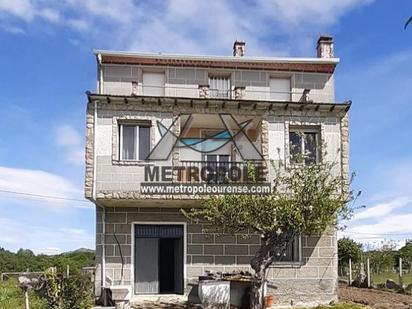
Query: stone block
{"x": 225, "y": 239}
{"x": 204, "y": 259}
{"x": 116, "y": 218}
{"x": 327, "y": 252}
{"x": 202, "y": 238}
{"x": 244, "y": 259}
{"x": 122, "y": 228}
{"x": 236, "y": 249}
{"x": 248, "y": 239}
{"x": 126, "y": 250}
{"x": 195, "y": 249}
{"x": 225, "y": 259}
{"x": 307, "y": 272}
{"x": 286, "y": 272}
{"x": 213, "y": 249}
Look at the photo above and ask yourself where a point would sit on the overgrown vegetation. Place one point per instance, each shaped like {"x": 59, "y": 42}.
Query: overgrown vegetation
{"x": 74, "y": 292}
{"x": 11, "y": 296}
{"x": 25, "y": 259}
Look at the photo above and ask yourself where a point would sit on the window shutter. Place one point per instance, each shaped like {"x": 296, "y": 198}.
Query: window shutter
{"x": 153, "y": 84}
{"x": 279, "y": 89}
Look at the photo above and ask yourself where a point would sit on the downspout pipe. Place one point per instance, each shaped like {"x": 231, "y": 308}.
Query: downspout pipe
{"x": 100, "y": 90}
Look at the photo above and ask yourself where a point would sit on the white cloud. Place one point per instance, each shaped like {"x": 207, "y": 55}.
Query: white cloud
{"x": 72, "y": 144}
{"x": 12, "y": 29}
{"x": 382, "y": 209}
{"x": 188, "y": 26}
{"x": 51, "y": 15}
{"x": 18, "y": 8}
{"x": 42, "y": 239}
{"x": 39, "y": 182}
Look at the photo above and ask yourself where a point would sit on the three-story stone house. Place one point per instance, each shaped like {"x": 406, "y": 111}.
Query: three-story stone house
{"x": 155, "y": 110}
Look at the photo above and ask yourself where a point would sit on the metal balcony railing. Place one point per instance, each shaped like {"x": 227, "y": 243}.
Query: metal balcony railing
{"x": 216, "y": 172}
{"x": 236, "y": 93}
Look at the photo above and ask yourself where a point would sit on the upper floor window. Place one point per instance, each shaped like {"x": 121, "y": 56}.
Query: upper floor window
{"x": 304, "y": 146}
{"x": 153, "y": 84}
{"x": 134, "y": 141}
{"x": 279, "y": 89}
{"x": 219, "y": 87}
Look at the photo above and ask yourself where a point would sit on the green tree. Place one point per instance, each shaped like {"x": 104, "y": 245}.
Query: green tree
{"x": 306, "y": 199}
{"x": 406, "y": 254}
{"x": 348, "y": 249}
{"x": 384, "y": 258}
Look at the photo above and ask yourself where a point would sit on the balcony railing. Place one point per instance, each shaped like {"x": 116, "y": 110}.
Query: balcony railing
{"x": 219, "y": 172}
{"x": 236, "y": 93}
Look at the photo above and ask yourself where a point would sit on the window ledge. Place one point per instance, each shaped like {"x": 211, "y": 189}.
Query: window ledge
{"x": 131, "y": 163}
{"x": 286, "y": 265}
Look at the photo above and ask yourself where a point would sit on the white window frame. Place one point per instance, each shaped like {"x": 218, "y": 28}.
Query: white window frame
{"x": 304, "y": 130}
{"x": 136, "y": 144}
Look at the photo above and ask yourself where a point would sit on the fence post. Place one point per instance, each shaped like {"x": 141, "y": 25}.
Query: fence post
{"x": 67, "y": 271}
{"x": 400, "y": 273}
{"x": 350, "y": 271}
{"x": 368, "y": 272}
{"x": 26, "y": 298}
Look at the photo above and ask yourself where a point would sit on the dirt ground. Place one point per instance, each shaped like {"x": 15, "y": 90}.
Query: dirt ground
{"x": 375, "y": 298}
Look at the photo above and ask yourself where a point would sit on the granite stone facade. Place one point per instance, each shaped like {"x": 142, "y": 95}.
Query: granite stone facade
{"x": 114, "y": 185}
{"x": 313, "y": 279}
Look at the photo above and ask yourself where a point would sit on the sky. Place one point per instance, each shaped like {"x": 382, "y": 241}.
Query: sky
{"x": 47, "y": 65}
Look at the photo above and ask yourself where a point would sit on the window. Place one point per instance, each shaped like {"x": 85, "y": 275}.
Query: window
{"x": 153, "y": 84}
{"x": 219, "y": 87}
{"x": 279, "y": 89}
{"x": 304, "y": 146}
{"x": 218, "y": 167}
{"x": 292, "y": 252}
{"x": 134, "y": 141}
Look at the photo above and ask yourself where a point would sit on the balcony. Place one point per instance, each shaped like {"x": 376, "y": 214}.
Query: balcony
{"x": 235, "y": 93}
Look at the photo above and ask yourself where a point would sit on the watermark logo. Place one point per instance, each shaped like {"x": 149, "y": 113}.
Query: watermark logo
{"x": 209, "y": 176}
{"x": 234, "y": 132}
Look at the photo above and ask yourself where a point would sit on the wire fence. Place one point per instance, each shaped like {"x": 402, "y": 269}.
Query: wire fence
{"x": 378, "y": 270}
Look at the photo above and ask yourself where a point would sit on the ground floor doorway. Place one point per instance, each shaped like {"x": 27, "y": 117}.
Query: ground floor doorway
{"x": 158, "y": 259}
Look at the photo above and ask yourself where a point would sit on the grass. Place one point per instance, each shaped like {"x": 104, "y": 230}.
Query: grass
{"x": 11, "y": 296}
{"x": 382, "y": 277}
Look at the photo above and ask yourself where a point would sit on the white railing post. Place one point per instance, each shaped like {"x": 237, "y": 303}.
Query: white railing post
{"x": 350, "y": 271}
{"x": 400, "y": 273}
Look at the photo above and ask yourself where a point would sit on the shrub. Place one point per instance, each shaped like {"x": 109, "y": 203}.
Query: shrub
{"x": 11, "y": 296}
{"x": 74, "y": 292}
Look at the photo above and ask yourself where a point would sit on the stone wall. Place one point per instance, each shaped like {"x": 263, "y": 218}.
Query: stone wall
{"x": 117, "y": 178}
{"x": 313, "y": 279}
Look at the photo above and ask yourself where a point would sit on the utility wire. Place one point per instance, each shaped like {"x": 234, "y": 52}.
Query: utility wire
{"x": 379, "y": 234}
{"x": 45, "y": 196}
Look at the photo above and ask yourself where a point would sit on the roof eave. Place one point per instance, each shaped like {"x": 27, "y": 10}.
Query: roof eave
{"x": 313, "y": 60}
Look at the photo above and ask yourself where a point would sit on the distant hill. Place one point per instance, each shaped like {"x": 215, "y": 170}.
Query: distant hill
{"x": 25, "y": 259}
{"x": 80, "y": 250}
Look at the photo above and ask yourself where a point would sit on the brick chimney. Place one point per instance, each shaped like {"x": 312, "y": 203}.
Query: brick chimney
{"x": 325, "y": 47}
{"x": 239, "y": 48}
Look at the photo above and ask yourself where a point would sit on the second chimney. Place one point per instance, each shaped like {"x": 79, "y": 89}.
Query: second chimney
{"x": 325, "y": 47}
{"x": 239, "y": 48}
